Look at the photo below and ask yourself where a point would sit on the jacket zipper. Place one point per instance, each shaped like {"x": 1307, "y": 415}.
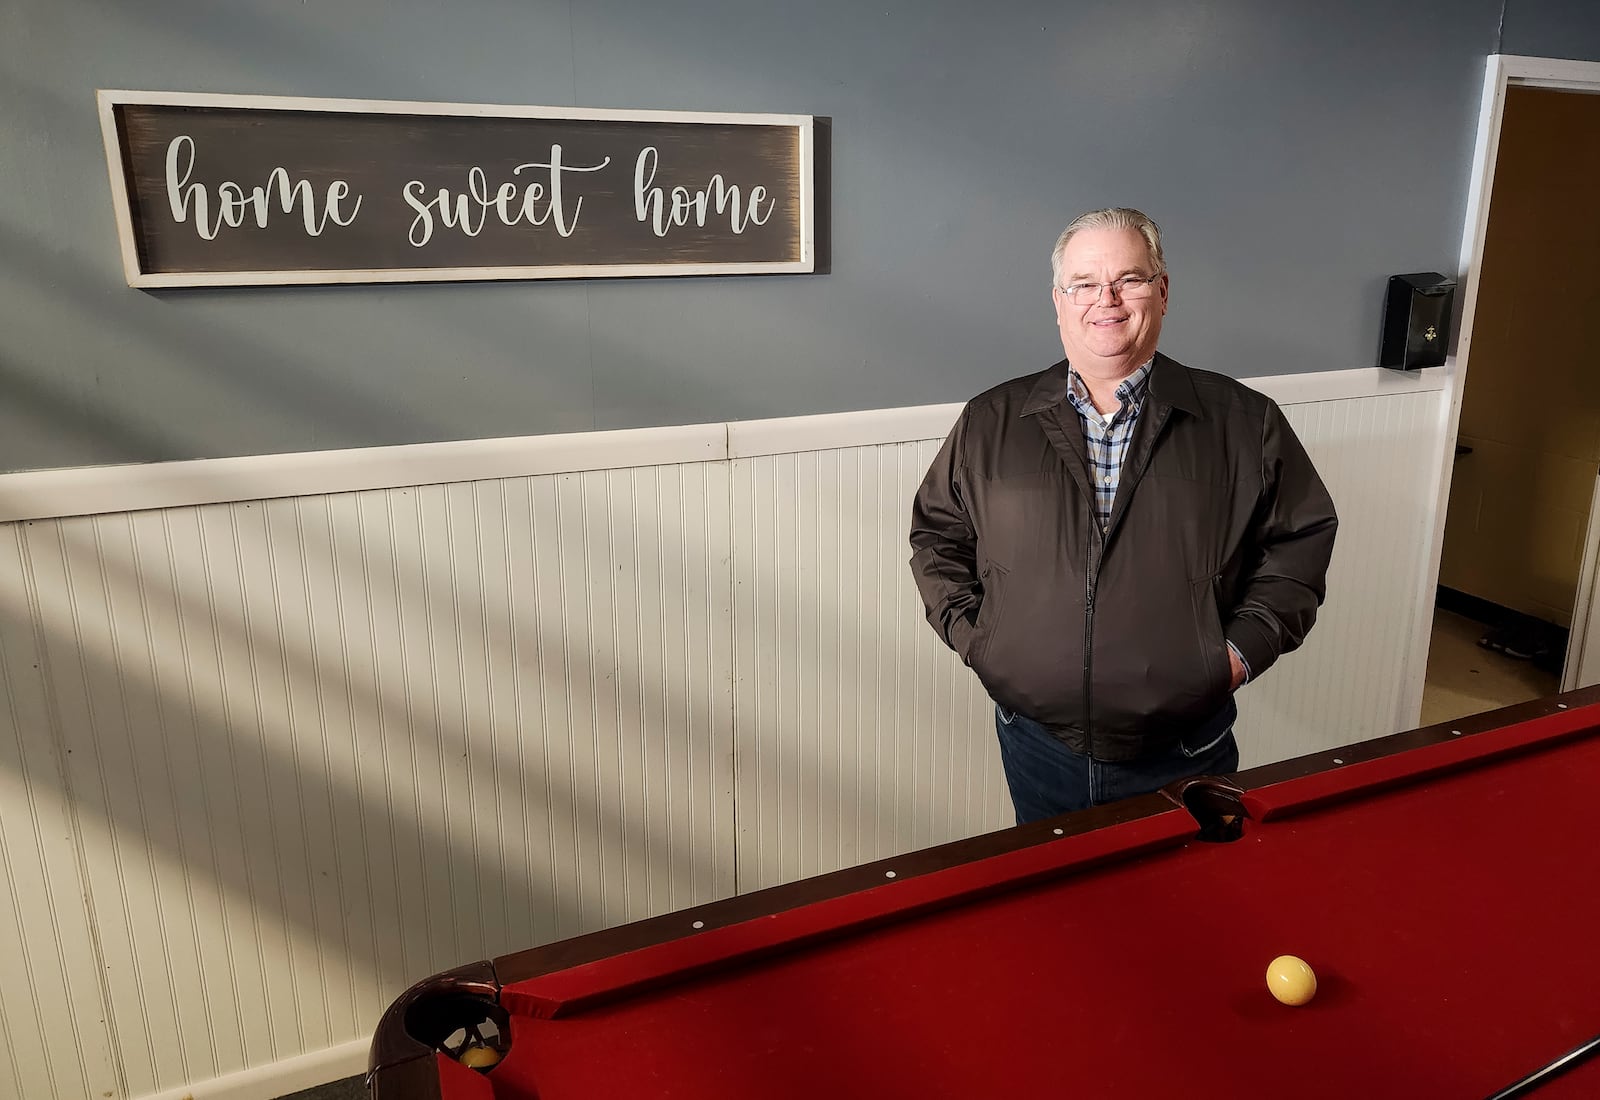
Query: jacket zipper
{"x": 1089, "y": 575}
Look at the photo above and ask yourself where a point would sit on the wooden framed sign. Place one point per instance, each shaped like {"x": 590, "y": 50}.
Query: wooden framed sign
{"x": 214, "y": 190}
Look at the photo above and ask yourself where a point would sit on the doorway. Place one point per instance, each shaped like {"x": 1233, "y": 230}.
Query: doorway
{"x": 1512, "y": 597}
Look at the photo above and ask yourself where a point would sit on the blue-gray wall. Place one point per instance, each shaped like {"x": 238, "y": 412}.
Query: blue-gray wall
{"x": 1296, "y": 155}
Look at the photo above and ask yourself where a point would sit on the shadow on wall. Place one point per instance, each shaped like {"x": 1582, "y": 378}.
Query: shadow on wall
{"x": 198, "y": 372}
{"x": 277, "y": 712}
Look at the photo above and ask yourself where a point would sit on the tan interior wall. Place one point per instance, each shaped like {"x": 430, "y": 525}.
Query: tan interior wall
{"x": 1519, "y": 503}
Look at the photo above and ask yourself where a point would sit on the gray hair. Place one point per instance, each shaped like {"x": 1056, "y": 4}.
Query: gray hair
{"x": 1114, "y": 217}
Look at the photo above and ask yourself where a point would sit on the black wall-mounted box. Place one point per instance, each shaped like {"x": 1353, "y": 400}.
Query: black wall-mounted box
{"x": 1416, "y": 321}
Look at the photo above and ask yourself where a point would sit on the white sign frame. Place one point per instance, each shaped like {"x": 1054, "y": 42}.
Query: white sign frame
{"x": 110, "y": 99}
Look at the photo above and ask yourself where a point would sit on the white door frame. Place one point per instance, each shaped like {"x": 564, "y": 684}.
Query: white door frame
{"x": 1579, "y": 669}
{"x": 1502, "y": 72}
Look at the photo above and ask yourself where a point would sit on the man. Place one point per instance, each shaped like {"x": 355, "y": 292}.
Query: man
{"x": 1117, "y": 543}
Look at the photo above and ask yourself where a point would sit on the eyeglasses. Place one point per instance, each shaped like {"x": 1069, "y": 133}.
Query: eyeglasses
{"x": 1127, "y": 288}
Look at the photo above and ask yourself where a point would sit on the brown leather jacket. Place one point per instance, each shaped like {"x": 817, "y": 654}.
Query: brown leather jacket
{"x": 1221, "y": 532}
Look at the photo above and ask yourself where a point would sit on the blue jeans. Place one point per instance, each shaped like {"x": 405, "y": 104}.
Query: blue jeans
{"x": 1047, "y": 778}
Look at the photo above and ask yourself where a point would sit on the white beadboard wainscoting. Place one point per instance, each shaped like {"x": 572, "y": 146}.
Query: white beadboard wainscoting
{"x": 303, "y": 729}
{"x": 859, "y": 734}
{"x": 285, "y": 757}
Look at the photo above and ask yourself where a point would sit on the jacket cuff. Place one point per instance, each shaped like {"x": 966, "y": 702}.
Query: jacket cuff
{"x": 1255, "y": 649}
{"x": 962, "y": 627}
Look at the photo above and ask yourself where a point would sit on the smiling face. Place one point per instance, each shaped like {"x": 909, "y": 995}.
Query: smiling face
{"x": 1108, "y": 338}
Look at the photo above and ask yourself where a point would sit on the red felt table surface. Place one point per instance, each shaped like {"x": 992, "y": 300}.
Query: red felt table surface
{"x": 1452, "y": 924}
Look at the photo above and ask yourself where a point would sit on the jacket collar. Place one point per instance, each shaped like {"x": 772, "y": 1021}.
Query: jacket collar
{"x": 1170, "y": 385}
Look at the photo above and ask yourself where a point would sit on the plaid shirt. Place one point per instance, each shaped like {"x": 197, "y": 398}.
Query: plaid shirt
{"x": 1108, "y": 437}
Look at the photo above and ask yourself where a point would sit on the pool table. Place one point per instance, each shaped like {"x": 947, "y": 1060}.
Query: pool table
{"x": 1444, "y": 884}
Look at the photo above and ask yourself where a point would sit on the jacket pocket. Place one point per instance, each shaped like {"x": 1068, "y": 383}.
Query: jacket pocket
{"x": 1212, "y": 645}
{"x": 990, "y": 612}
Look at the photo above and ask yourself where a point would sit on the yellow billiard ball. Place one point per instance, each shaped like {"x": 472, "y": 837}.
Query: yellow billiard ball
{"x": 1291, "y": 980}
{"x": 479, "y": 1057}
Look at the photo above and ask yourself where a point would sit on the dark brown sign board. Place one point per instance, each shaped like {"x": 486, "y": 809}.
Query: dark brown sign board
{"x": 216, "y": 190}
